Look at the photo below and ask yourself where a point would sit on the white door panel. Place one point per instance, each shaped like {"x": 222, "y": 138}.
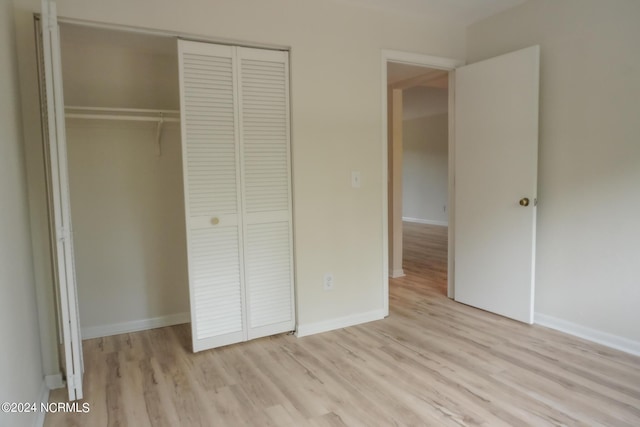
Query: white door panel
{"x": 266, "y": 189}
{"x": 55, "y": 135}
{"x": 496, "y": 152}
{"x": 210, "y": 156}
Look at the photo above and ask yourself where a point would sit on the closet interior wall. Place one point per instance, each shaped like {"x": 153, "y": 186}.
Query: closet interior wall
{"x": 126, "y": 184}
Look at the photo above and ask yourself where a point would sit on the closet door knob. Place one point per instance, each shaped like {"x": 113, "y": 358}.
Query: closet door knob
{"x": 215, "y": 220}
{"x": 524, "y": 202}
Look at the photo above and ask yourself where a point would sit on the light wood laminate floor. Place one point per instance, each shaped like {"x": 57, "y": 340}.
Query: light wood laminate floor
{"x": 432, "y": 362}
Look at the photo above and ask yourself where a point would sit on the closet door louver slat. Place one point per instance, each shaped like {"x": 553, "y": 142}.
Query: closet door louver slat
{"x": 266, "y": 195}
{"x": 212, "y": 193}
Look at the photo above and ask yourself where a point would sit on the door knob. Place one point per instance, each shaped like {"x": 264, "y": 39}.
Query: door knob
{"x": 215, "y": 221}
{"x": 524, "y": 201}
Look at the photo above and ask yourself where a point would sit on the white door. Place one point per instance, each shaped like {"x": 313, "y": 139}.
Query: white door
{"x": 236, "y": 166}
{"x": 60, "y": 203}
{"x": 263, "y": 85}
{"x": 496, "y": 153}
{"x": 210, "y": 158}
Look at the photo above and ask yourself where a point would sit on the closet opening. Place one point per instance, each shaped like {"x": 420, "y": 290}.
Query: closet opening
{"x": 169, "y": 185}
{"x": 121, "y": 94}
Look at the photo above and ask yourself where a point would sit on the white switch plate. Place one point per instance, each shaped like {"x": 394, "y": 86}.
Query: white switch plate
{"x": 327, "y": 281}
{"x": 355, "y": 179}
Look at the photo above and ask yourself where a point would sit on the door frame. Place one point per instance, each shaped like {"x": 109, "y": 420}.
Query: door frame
{"x": 440, "y": 63}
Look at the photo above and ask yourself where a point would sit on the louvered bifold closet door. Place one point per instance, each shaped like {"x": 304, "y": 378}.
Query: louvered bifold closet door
{"x": 210, "y": 150}
{"x": 266, "y": 197}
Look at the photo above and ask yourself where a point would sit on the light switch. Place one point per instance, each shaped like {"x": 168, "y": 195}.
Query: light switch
{"x": 355, "y": 179}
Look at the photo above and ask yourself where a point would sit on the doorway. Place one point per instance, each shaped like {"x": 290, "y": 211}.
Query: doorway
{"x": 418, "y": 172}
{"x": 423, "y": 81}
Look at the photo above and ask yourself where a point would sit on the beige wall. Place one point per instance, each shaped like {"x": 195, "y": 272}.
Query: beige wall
{"x": 589, "y": 158}
{"x": 425, "y": 168}
{"x": 21, "y": 377}
{"x": 336, "y": 121}
{"x": 127, "y": 207}
{"x": 422, "y": 101}
{"x": 118, "y": 69}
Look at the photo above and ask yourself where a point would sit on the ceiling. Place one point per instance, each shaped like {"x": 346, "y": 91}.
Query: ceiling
{"x": 463, "y": 11}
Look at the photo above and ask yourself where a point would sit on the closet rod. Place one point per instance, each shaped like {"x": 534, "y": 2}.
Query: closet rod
{"x": 131, "y": 114}
{"x": 117, "y": 110}
{"x": 116, "y": 117}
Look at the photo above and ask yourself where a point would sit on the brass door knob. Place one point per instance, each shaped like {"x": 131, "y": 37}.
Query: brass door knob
{"x": 524, "y": 201}
{"x": 215, "y": 221}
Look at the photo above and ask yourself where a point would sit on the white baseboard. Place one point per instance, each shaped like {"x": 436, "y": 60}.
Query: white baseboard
{"x": 54, "y": 381}
{"x": 339, "y": 323}
{"x": 135, "y": 326}
{"x": 425, "y": 221}
{"x": 43, "y": 397}
{"x": 604, "y": 338}
{"x": 394, "y": 274}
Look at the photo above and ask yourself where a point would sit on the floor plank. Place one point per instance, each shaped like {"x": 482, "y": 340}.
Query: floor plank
{"x": 432, "y": 362}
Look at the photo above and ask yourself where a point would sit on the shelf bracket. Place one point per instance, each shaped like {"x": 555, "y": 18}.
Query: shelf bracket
{"x": 159, "y": 134}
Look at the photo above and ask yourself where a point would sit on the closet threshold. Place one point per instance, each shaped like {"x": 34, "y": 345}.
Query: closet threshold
{"x": 130, "y": 114}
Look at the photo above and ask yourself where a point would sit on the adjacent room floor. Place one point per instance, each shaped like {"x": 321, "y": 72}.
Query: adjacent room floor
{"x": 432, "y": 362}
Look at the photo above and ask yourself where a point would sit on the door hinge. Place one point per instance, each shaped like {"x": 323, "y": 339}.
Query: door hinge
{"x": 63, "y": 234}
{"x": 74, "y": 380}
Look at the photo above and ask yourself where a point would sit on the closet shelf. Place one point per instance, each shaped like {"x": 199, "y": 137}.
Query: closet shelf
{"x": 131, "y": 114}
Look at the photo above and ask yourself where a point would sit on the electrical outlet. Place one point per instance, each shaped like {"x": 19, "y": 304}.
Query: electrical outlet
{"x": 327, "y": 282}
